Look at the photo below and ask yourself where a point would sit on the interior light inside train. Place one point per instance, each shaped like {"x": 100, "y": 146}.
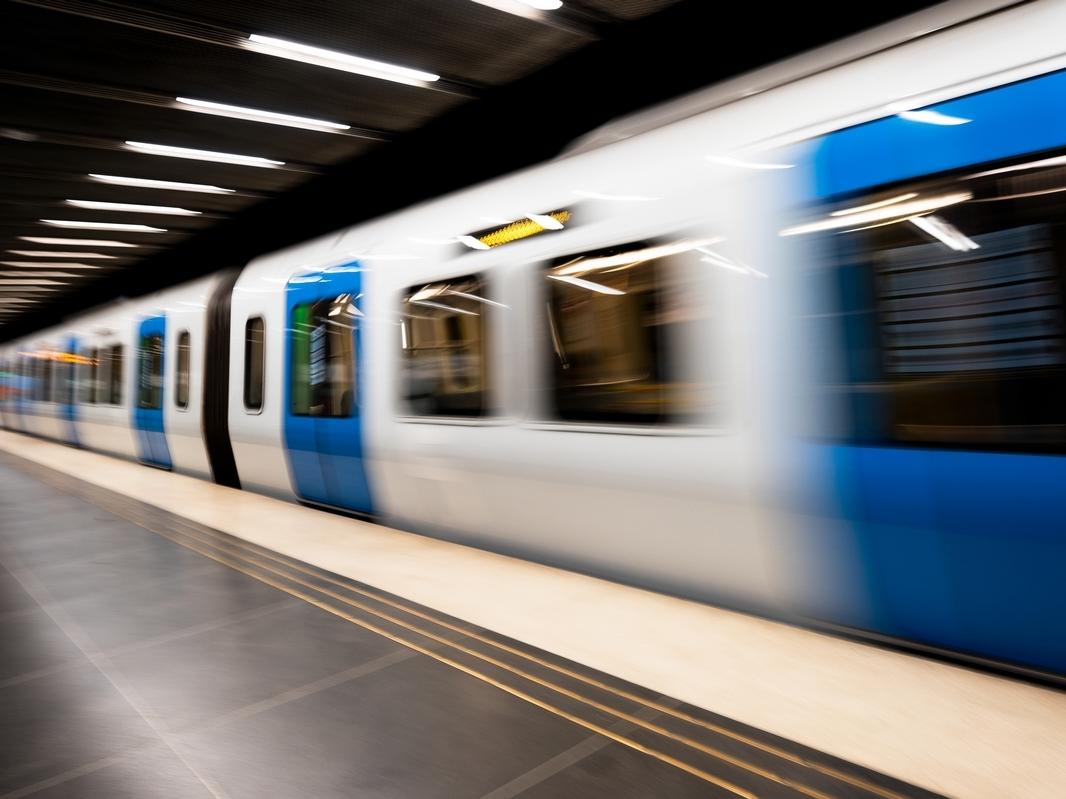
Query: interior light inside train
{"x": 621, "y": 335}
{"x": 444, "y": 370}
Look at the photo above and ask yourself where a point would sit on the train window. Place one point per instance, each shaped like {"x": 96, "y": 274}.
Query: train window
{"x": 617, "y": 321}
{"x": 150, "y": 384}
{"x": 115, "y": 358}
{"x": 954, "y": 318}
{"x": 65, "y": 380}
{"x": 323, "y": 357}
{"x": 89, "y": 374}
{"x": 44, "y": 381}
{"x": 442, "y": 335}
{"x": 181, "y": 385}
{"x": 254, "y": 363}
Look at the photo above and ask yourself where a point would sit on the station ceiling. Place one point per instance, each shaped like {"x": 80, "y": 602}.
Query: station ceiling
{"x": 369, "y": 105}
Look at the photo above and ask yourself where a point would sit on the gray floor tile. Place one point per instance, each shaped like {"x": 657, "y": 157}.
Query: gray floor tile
{"x": 194, "y": 679}
{"x": 418, "y": 729}
{"x": 197, "y": 592}
{"x": 159, "y": 774}
{"x": 617, "y": 772}
{"x": 62, "y": 721}
{"x": 31, "y": 641}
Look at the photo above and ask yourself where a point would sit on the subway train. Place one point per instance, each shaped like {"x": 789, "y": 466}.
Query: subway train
{"x": 793, "y": 345}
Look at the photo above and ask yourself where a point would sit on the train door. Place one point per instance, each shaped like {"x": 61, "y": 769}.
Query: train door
{"x": 323, "y": 423}
{"x": 66, "y": 409}
{"x": 148, "y": 404}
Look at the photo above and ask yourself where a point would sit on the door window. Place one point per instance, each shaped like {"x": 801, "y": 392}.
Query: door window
{"x": 323, "y": 357}
{"x": 150, "y": 388}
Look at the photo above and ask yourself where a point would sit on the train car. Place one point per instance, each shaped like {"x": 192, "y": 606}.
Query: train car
{"x": 795, "y": 345}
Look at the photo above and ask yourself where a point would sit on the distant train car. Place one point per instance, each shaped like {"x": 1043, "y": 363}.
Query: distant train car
{"x": 796, "y": 346}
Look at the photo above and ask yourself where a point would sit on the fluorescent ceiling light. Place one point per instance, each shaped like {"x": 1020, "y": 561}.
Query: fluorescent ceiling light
{"x": 427, "y": 292}
{"x": 530, "y": 9}
{"x": 30, "y": 282}
{"x": 443, "y": 307}
{"x": 77, "y": 242}
{"x": 332, "y": 59}
{"x": 169, "y": 185}
{"x": 586, "y": 284}
{"x": 202, "y": 155}
{"x": 945, "y": 232}
{"x": 717, "y": 259}
{"x": 50, "y": 254}
{"x": 49, "y": 265}
{"x": 632, "y": 257}
{"x": 476, "y": 298}
{"x": 880, "y": 204}
{"x": 72, "y": 223}
{"x": 473, "y": 243}
{"x": 901, "y": 209}
{"x": 545, "y": 221}
{"x": 256, "y": 115}
{"x": 932, "y": 118}
{"x": 133, "y": 208}
{"x": 39, "y": 274}
{"x": 727, "y": 160}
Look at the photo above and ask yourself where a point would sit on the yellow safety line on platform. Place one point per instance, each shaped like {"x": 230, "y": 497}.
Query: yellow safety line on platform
{"x": 721, "y": 783}
{"x": 828, "y": 771}
{"x": 227, "y": 547}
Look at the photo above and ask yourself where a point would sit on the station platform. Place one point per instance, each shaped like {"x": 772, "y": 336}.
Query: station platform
{"x": 163, "y": 636}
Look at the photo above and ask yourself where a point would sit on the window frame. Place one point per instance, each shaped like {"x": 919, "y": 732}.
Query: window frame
{"x": 294, "y": 385}
{"x": 250, "y": 409}
{"x": 183, "y": 407}
{"x": 143, "y": 363}
{"x": 867, "y": 425}
{"x": 549, "y": 416}
{"x": 118, "y": 350}
{"x": 88, "y": 375}
{"x": 46, "y": 380}
{"x": 490, "y": 413}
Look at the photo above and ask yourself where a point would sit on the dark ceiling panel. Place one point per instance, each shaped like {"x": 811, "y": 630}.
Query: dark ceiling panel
{"x": 459, "y": 39}
{"x": 28, "y": 189}
{"x": 54, "y": 44}
{"x": 78, "y": 160}
{"x": 81, "y": 77}
{"x": 32, "y": 110}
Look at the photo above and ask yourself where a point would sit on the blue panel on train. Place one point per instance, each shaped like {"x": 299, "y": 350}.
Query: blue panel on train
{"x": 322, "y": 418}
{"x": 68, "y": 408}
{"x": 961, "y": 549}
{"x": 148, "y": 397}
{"x": 1024, "y": 117}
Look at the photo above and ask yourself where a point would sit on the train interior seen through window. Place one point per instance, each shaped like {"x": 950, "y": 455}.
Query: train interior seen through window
{"x": 949, "y": 297}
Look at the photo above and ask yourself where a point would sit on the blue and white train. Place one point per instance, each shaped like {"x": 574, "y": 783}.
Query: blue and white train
{"x": 796, "y": 345}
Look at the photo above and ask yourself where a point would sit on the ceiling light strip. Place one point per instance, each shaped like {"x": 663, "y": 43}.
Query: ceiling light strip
{"x": 135, "y": 208}
{"x": 168, "y": 185}
{"x": 77, "y": 224}
{"x": 49, "y": 265}
{"x": 258, "y": 115}
{"x": 77, "y": 242}
{"x": 150, "y": 148}
{"x": 333, "y": 59}
{"x": 58, "y": 254}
